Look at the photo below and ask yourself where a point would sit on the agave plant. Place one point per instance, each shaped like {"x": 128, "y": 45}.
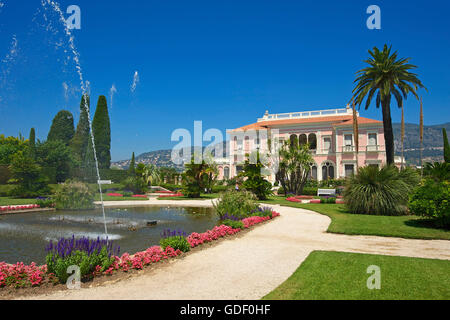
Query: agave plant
{"x": 382, "y": 191}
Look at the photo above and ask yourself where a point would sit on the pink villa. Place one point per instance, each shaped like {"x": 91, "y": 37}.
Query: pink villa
{"x": 328, "y": 132}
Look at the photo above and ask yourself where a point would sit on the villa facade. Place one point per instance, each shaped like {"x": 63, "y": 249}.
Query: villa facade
{"x": 328, "y": 132}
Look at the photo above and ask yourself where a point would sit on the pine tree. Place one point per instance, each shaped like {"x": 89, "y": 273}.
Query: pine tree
{"x": 80, "y": 140}
{"x": 446, "y": 146}
{"x": 101, "y": 128}
{"x": 132, "y": 168}
{"x": 62, "y": 127}
{"x": 32, "y": 144}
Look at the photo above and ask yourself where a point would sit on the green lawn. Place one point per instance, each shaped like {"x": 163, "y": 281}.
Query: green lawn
{"x": 343, "y": 276}
{"x": 412, "y": 227}
{"x": 7, "y": 201}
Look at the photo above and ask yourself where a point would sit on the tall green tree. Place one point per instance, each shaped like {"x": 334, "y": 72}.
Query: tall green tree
{"x": 32, "y": 144}
{"x": 294, "y": 166}
{"x": 132, "y": 168}
{"x": 55, "y": 154}
{"x": 386, "y": 76}
{"x": 62, "y": 128}
{"x": 254, "y": 180}
{"x": 101, "y": 128}
{"x": 446, "y": 146}
{"x": 81, "y": 138}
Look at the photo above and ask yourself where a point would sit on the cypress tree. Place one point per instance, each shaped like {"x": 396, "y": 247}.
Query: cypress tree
{"x": 81, "y": 138}
{"x": 446, "y": 146}
{"x": 62, "y": 127}
{"x": 32, "y": 144}
{"x": 132, "y": 168}
{"x": 102, "y": 133}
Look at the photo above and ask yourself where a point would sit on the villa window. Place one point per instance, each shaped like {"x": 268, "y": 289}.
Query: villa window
{"x": 327, "y": 171}
{"x": 313, "y": 174}
{"x": 372, "y": 139}
{"x": 294, "y": 140}
{"x": 226, "y": 173}
{"x": 312, "y": 140}
{"x": 349, "y": 170}
{"x": 348, "y": 140}
{"x": 303, "y": 139}
{"x": 327, "y": 143}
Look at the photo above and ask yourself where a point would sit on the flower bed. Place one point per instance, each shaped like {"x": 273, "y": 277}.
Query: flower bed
{"x": 19, "y": 208}
{"x": 140, "y": 196}
{"x": 118, "y": 195}
{"x": 20, "y": 275}
{"x": 174, "y": 195}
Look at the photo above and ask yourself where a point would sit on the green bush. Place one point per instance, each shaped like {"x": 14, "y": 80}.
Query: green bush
{"x": 6, "y": 189}
{"x": 432, "y": 200}
{"x": 310, "y": 191}
{"x": 136, "y": 185}
{"x": 115, "y": 175}
{"x": 74, "y": 195}
{"x": 328, "y": 200}
{"x": 237, "y": 203}
{"x": 45, "y": 203}
{"x": 176, "y": 242}
{"x": 221, "y": 188}
{"x": 87, "y": 263}
{"x": 382, "y": 191}
{"x": 233, "y": 224}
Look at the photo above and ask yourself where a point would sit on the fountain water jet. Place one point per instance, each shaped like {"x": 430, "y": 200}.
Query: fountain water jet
{"x": 84, "y": 89}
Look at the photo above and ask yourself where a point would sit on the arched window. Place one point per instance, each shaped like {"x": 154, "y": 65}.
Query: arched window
{"x": 302, "y": 140}
{"x": 226, "y": 173}
{"x": 328, "y": 170}
{"x": 312, "y": 140}
{"x": 294, "y": 140}
{"x": 313, "y": 172}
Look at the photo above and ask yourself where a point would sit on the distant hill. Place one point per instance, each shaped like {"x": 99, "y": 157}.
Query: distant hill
{"x": 433, "y": 143}
{"x": 159, "y": 158}
{"x": 433, "y": 147}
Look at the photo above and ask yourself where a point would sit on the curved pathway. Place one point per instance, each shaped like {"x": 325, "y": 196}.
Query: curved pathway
{"x": 251, "y": 266}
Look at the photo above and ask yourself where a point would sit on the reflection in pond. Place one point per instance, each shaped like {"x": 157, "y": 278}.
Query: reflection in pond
{"x": 23, "y": 237}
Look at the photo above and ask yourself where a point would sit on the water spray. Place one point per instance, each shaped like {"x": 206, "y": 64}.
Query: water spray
{"x": 84, "y": 89}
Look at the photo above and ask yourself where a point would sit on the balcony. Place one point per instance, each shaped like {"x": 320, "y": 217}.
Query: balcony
{"x": 373, "y": 149}
{"x": 348, "y": 149}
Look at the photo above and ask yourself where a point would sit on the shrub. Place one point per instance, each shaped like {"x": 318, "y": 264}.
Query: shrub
{"x": 382, "y": 191}
{"x": 262, "y": 212}
{"x": 135, "y": 184}
{"x": 74, "y": 195}
{"x": 331, "y": 200}
{"x": 219, "y": 189}
{"x": 84, "y": 253}
{"x": 233, "y": 224}
{"x": 45, "y": 202}
{"x": 176, "y": 242}
{"x": 310, "y": 191}
{"x": 432, "y": 200}
{"x": 237, "y": 203}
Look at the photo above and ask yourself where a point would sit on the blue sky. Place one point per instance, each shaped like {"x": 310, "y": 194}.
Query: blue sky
{"x": 222, "y": 62}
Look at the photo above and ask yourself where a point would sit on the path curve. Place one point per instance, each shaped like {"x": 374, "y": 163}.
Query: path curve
{"x": 249, "y": 267}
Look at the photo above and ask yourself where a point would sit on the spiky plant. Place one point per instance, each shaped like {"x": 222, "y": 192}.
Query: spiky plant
{"x": 386, "y": 76}
{"x": 384, "y": 191}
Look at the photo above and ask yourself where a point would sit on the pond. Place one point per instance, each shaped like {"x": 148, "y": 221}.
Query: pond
{"x": 23, "y": 237}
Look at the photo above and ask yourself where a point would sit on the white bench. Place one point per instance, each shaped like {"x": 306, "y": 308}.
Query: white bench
{"x": 326, "y": 192}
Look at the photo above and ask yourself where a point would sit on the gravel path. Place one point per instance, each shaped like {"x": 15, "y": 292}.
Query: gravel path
{"x": 252, "y": 266}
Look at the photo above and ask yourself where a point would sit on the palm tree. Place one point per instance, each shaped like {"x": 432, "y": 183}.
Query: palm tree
{"x": 386, "y": 76}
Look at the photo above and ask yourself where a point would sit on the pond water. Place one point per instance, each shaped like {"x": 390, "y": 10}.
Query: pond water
{"x": 23, "y": 237}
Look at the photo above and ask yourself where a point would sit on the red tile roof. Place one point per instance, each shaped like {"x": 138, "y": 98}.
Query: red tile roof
{"x": 335, "y": 121}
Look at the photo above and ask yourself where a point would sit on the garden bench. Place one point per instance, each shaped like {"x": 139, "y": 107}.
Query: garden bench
{"x": 326, "y": 192}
